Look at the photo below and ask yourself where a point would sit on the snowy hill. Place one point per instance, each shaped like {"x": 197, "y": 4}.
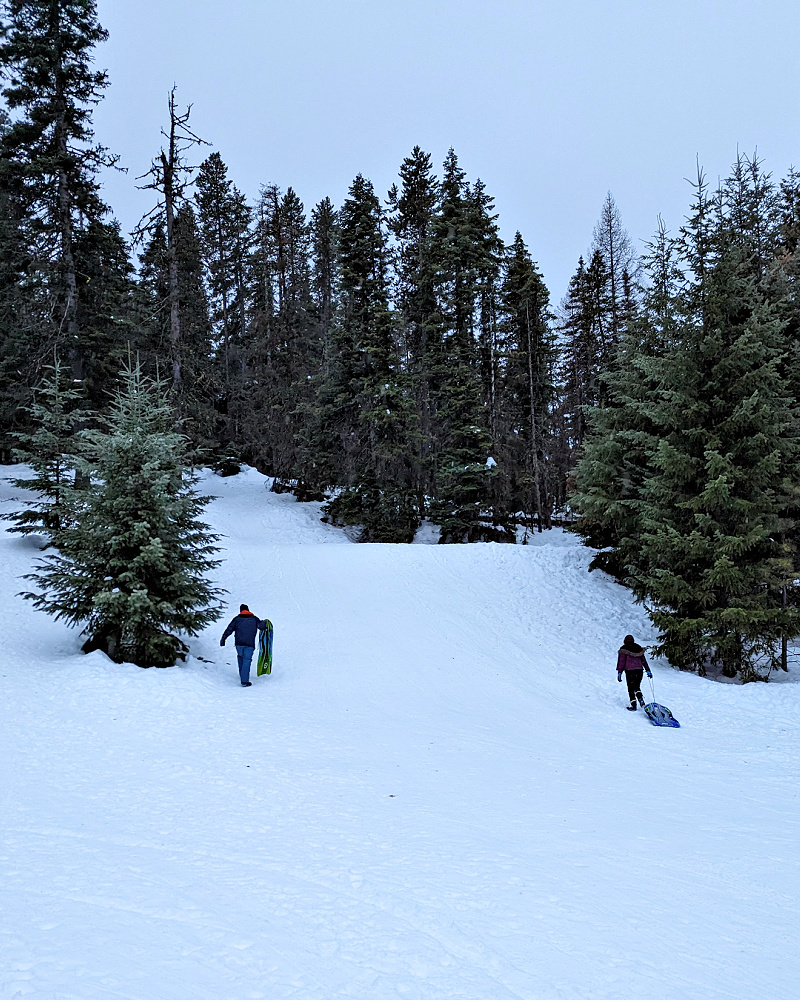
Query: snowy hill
{"x": 436, "y": 795}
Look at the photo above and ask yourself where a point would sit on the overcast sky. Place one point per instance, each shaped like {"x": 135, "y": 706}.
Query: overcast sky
{"x": 551, "y": 103}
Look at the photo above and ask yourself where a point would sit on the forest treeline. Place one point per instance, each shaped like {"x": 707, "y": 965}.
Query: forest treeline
{"x": 394, "y": 356}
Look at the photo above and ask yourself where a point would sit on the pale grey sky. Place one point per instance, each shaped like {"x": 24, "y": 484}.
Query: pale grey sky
{"x": 551, "y": 104}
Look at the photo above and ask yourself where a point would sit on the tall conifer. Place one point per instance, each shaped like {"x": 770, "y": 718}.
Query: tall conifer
{"x": 131, "y": 571}
{"x": 47, "y": 156}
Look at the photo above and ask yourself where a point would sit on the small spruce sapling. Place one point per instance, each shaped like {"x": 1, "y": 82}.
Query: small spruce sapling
{"x": 133, "y": 568}
{"x": 49, "y": 448}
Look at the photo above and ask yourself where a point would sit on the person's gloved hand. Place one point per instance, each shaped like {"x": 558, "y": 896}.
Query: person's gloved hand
{"x": 619, "y": 677}
{"x": 649, "y": 675}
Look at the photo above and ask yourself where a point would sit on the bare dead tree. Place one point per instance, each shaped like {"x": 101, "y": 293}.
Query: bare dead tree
{"x": 170, "y": 176}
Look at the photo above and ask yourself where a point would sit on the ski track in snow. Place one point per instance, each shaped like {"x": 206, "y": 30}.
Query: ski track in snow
{"x": 436, "y": 794}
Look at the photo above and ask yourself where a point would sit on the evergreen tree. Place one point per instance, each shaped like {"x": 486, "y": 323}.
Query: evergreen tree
{"x": 622, "y": 435}
{"x": 716, "y": 502}
{"x": 224, "y": 225}
{"x": 49, "y": 448}
{"x": 365, "y": 395}
{"x": 106, "y": 309}
{"x": 465, "y": 248}
{"x": 587, "y": 347}
{"x": 284, "y": 346}
{"x": 46, "y": 154}
{"x": 317, "y": 450}
{"x": 413, "y": 210}
{"x": 526, "y": 384}
{"x": 323, "y": 242}
{"x": 23, "y": 310}
{"x": 201, "y": 385}
{"x": 701, "y": 451}
{"x": 613, "y": 245}
{"x": 152, "y": 342}
{"x": 490, "y": 257}
{"x": 133, "y": 565}
{"x": 198, "y": 396}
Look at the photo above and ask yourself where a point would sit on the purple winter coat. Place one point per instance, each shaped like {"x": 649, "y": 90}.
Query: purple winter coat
{"x": 627, "y": 660}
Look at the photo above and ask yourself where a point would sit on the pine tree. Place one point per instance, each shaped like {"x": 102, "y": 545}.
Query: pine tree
{"x": 412, "y": 213}
{"x": 106, "y": 312}
{"x": 465, "y": 249}
{"x": 365, "y": 395}
{"x": 152, "y": 342}
{"x": 50, "y": 448}
{"x": 526, "y": 384}
{"x": 587, "y": 347}
{"x": 285, "y": 344}
{"x": 201, "y": 387}
{"x": 198, "y": 396}
{"x": 323, "y": 241}
{"x": 317, "y": 450}
{"x": 622, "y": 435}
{"x": 721, "y": 491}
{"x": 224, "y": 223}
{"x": 23, "y": 309}
{"x": 612, "y": 243}
{"x": 688, "y": 482}
{"x": 46, "y": 153}
{"x": 133, "y": 565}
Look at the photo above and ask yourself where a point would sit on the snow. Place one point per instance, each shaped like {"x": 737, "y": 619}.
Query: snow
{"x": 437, "y": 794}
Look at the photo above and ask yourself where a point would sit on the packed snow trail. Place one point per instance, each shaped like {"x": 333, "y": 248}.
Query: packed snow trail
{"x": 437, "y": 794}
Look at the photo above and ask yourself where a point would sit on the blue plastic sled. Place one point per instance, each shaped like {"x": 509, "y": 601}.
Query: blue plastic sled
{"x": 661, "y": 716}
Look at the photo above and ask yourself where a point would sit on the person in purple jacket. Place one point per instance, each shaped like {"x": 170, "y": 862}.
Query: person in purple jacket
{"x": 245, "y": 627}
{"x": 632, "y": 662}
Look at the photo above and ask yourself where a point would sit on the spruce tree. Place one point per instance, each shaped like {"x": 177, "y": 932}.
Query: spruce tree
{"x": 224, "y": 228}
{"x": 198, "y": 396}
{"x": 587, "y": 346}
{"x": 317, "y": 448}
{"x": 323, "y": 281}
{"x": 365, "y": 393}
{"x": 526, "y": 384}
{"x": 466, "y": 249}
{"x": 612, "y": 243}
{"x": 132, "y": 568}
{"x": 23, "y": 309}
{"x": 621, "y": 435}
{"x": 721, "y": 492}
{"x": 50, "y": 448}
{"x": 106, "y": 312}
{"x": 284, "y": 339}
{"x": 47, "y": 156}
{"x": 412, "y": 212}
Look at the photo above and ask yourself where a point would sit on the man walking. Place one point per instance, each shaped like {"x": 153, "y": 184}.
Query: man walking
{"x": 245, "y": 627}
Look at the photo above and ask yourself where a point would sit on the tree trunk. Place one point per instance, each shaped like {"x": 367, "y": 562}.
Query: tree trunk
{"x": 168, "y": 165}
{"x": 540, "y": 515}
{"x": 69, "y": 321}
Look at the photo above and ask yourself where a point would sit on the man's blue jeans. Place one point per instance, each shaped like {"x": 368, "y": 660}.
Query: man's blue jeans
{"x": 245, "y": 655}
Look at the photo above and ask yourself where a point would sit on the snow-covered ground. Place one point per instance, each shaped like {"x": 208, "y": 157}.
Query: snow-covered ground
{"x": 437, "y": 794}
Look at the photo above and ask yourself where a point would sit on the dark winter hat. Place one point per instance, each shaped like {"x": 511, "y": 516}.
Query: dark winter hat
{"x": 243, "y": 607}
{"x": 628, "y": 640}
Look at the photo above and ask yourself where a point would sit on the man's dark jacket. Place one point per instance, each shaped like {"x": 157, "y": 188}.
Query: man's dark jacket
{"x": 244, "y": 626}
